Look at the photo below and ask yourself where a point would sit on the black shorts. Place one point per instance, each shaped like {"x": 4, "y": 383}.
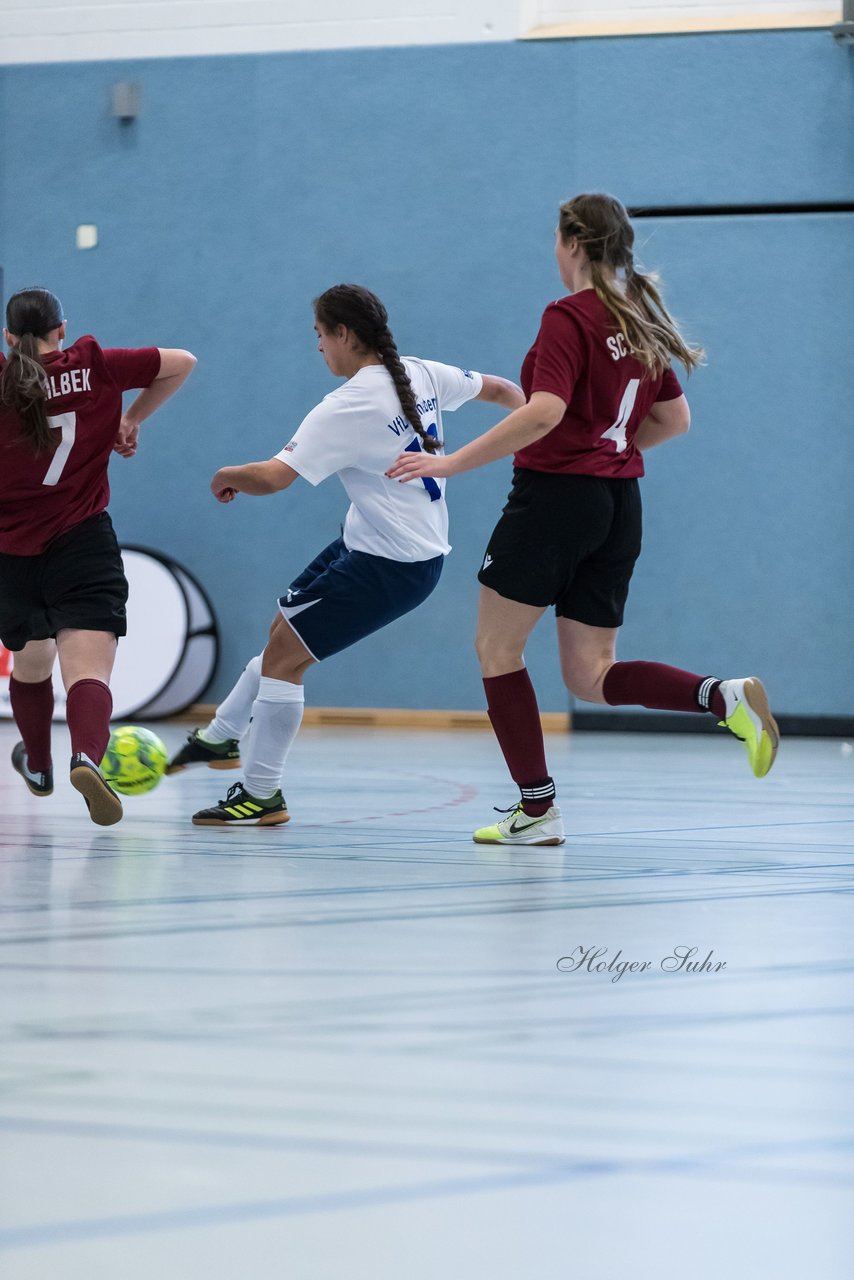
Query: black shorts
{"x": 77, "y": 581}
{"x": 569, "y": 541}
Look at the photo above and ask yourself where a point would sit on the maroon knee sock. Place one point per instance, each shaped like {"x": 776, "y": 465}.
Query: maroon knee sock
{"x": 32, "y": 707}
{"x": 652, "y": 684}
{"x": 515, "y": 717}
{"x": 88, "y": 711}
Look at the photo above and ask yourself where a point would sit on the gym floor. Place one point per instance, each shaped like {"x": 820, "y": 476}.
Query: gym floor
{"x": 361, "y": 1045}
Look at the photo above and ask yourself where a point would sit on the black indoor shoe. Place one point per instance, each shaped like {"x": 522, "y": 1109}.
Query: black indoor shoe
{"x": 239, "y": 808}
{"x": 216, "y": 755}
{"x": 41, "y": 784}
{"x": 105, "y": 807}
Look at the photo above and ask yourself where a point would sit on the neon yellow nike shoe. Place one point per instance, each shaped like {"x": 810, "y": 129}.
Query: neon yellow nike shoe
{"x": 749, "y": 717}
{"x": 519, "y": 828}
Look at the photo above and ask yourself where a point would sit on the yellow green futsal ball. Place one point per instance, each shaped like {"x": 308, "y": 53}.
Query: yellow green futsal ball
{"x": 135, "y": 760}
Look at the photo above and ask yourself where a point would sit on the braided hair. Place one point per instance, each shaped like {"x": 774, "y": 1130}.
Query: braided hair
{"x": 601, "y": 224}
{"x": 30, "y": 314}
{"x": 362, "y": 312}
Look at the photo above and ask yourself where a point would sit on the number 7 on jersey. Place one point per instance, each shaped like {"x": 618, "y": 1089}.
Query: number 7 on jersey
{"x": 67, "y": 425}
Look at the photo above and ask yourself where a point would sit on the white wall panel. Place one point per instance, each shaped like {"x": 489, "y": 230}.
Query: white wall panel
{"x": 589, "y": 16}
{"x": 76, "y": 30}
{"x": 57, "y": 31}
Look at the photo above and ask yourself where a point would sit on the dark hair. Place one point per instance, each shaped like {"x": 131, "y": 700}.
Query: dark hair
{"x": 361, "y": 311}
{"x": 30, "y": 314}
{"x": 601, "y": 224}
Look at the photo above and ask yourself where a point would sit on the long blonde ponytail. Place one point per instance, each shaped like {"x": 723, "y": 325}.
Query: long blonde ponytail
{"x": 601, "y": 225}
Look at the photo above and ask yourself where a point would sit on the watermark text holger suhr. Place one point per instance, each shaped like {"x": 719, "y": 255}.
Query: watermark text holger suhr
{"x": 680, "y": 960}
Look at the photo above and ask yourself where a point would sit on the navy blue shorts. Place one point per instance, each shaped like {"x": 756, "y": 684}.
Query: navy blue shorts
{"x": 344, "y": 596}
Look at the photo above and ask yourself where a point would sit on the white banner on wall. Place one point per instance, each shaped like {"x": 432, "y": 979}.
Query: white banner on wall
{"x": 167, "y": 658}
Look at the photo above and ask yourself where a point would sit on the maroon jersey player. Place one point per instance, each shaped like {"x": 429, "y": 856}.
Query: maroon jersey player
{"x": 62, "y": 584}
{"x": 606, "y": 390}
{"x": 600, "y": 392}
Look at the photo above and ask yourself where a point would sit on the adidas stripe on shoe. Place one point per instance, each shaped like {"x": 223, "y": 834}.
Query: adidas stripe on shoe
{"x": 239, "y": 808}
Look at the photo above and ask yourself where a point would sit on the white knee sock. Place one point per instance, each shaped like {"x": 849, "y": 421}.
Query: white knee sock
{"x": 232, "y": 715}
{"x": 276, "y": 718}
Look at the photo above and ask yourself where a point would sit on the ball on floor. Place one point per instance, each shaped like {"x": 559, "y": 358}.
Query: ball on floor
{"x": 135, "y": 760}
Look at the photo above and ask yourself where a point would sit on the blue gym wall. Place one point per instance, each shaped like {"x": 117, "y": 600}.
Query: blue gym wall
{"x": 250, "y": 184}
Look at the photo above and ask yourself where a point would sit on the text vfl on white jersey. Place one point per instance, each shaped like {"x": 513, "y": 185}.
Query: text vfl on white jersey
{"x": 357, "y": 431}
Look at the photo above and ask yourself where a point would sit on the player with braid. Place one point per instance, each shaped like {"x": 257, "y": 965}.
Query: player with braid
{"x": 600, "y": 392}
{"x": 386, "y": 563}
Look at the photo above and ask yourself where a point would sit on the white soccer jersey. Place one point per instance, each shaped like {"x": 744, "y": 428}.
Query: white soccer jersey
{"x": 357, "y": 431}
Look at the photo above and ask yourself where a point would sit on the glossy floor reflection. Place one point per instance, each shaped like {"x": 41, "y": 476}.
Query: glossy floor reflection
{"x": 345, "y": 1047}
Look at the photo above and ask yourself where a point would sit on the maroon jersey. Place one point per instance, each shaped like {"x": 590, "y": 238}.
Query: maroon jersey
{"x": 581, "y": 356}
{"x": 43, "y": 495}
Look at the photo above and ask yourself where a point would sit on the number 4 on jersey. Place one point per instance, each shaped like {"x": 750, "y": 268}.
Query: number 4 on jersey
{"x": 67, "y": 424}
{"x": 617, "y": 432}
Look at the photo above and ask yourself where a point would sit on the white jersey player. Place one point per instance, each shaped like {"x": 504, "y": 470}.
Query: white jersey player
{"x": 387, "y": 562}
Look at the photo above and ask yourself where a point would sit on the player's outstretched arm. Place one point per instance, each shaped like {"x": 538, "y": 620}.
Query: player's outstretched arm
{"x": 175, "y": 368}
{"x": 496, "y": 390}
{"x": 254, "y": 478}
{"x": 535, "y": 419}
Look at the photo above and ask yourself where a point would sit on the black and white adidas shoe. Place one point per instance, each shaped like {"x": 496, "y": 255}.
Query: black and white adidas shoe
{"x": 105, "y": 807}
{"x": 41, "y": 784}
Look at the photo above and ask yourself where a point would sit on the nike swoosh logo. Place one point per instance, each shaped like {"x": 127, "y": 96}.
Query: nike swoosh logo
{"x": 298, "y": 608}
{"x": 526, "y": 826}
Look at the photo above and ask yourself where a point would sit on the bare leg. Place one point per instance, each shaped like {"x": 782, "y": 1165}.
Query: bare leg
{"x": 34, "y": 662}
{"x": 503, "y": 627}
{"x": 86, "y": 655}
{"x": 586, "y": 655}
{"x": 285, "y": 657}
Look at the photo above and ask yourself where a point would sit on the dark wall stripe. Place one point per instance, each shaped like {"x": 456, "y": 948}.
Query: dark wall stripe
{"x": 738, "y": 210}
